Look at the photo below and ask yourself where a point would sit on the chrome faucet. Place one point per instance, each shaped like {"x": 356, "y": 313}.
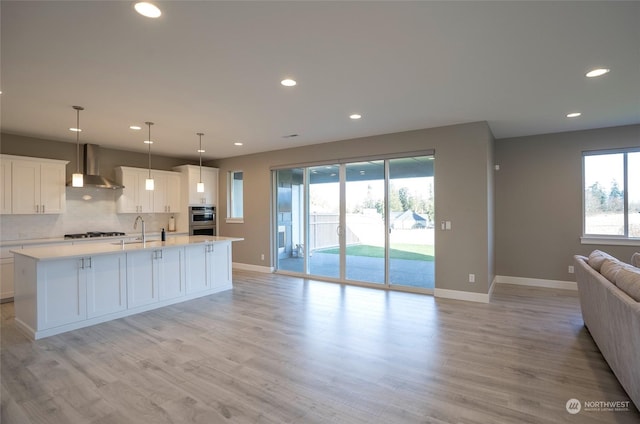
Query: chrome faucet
{"x": 135, "y": 225}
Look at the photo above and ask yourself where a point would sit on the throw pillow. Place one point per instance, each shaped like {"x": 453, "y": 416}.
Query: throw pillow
{"x": 610, "y": 268}
{"x": 635, "y": 259}
{"x": 628, "y": 280}
{"x": 597, "y": 258}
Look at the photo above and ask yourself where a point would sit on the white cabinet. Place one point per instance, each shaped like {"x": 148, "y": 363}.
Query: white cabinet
{"x": 33, "y": 185}
{"x": 154, "y": 275}
{"x": 208, "y": 267}
{"x": 190, "y": 179}
{"x": 80, "y": 288}
{"x": 142, "y": 287}
{"x": 166, "y": 195}
{"x": 222, "y": 268}
{"x": 5, "y": 185}
{"x": 6, "y": 272}
{"x": 170, "y": 272}
{"x": 105, "y": 277}
{"x": 135, "y": 198}
{"x": 62, "y": 294}
{"x": 199, "y": 267}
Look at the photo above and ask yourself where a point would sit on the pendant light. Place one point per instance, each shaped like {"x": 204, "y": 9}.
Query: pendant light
{"x": 148, "y": 183}
{"x": 200, "y": 185}
{"x": 76, "y": 178}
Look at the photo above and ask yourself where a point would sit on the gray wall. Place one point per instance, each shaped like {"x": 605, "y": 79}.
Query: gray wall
{"x": 539, "y": 201}
{"x": 11, "y": 144}
{"x": 462, "y": 195}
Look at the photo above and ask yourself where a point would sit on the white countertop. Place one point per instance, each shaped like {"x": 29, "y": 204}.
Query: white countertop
{"x": 28, "y": 242}
{"x": 110, "y": 247}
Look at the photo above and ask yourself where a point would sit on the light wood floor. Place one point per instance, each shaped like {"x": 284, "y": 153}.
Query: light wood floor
{"x": 280, "y": 349}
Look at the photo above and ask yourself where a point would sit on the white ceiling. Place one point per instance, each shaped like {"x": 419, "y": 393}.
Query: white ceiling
{"x": 216, "y": 67}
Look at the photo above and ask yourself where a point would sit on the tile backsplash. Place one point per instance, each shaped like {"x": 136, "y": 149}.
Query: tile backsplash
{"x": 88, "y": 209}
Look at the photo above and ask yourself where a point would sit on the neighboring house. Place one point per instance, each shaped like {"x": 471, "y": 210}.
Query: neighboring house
{"x": 409, "y": 220}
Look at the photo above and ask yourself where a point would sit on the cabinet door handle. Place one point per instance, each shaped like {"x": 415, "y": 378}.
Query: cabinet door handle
{"x": 81, "y": 263}
{"x": 42, "y": 208}
{"x": 89, "y": 260}
{"x": 37, "y": 208}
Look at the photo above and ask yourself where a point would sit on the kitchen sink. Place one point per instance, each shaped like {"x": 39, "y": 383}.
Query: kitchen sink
{"x": 136, "y": 242}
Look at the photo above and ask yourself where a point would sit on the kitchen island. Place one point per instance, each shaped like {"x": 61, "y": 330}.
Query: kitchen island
{"x": 63, "y": 288}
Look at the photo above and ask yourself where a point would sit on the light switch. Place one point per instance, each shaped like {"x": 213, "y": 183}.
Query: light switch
{"x": 447, "y": 225}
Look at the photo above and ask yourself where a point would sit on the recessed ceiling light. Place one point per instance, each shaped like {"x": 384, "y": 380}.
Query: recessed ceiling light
{"x": 148, "y": 142}
{"x": 237, "y": 143}
{"x": 597, "y": 72}
{"x": 75, "y": 129}
{"x": 573, "y": 114}
{"x": 288, "y": 82}
{"x": 355, "y": 116}
{"x": 147, "y": 9}
{"x": 135, "y": 127}
{"x": 200, "y": 150}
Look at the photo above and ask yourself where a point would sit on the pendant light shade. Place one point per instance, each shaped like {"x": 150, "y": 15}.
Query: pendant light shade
{"x": 77, "y": 179}
{"x": 149, "y": 183}
{"x": 200, "y": 185}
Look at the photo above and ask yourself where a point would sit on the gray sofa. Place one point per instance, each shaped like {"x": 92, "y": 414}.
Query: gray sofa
{"x": 612, "y": 315}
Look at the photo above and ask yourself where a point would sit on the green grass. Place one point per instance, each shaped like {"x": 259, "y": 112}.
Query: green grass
{"x": 415, "y": 252}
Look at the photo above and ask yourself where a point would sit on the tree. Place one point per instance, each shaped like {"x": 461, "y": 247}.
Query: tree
{"x": 616, "y": 198}
{"x": 405, "y": 199}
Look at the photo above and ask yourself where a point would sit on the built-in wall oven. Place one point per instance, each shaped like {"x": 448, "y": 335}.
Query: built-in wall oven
{"x": 202, "y": 220}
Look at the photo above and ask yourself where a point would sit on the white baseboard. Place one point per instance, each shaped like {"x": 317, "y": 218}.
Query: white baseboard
{"x": 461, "y": 295}
{"x": 536, "y": 282}
{"x": 257, "y": 268}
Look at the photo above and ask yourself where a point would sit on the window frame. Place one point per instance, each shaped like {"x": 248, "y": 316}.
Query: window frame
{"x": 609, "y": 239}
{"x": 231, "y": 195}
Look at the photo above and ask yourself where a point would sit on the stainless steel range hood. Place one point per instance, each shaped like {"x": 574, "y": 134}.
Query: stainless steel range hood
{"x": 91, "y": 176}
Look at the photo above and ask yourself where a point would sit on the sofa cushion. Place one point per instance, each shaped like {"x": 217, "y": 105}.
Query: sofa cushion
{"x": 610, "y": 269}
{"x": 628, "y": 280}
{"x": 635, "y": 259}
{"x": 597, "y": 258}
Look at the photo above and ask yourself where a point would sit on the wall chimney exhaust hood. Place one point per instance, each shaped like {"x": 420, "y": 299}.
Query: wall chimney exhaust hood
{"x": 92, "y": 177}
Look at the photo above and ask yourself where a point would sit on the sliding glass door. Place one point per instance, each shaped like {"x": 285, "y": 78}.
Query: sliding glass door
{"x": 323, "y": 218}
{"x": 367, "y": 222}
{"x": 364, "y": 228}
{"x": 411, "y": 229}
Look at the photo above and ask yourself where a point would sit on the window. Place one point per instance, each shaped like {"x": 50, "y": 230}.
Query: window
{"x": 611, "y": 194}
{"x": 235, "y": 192}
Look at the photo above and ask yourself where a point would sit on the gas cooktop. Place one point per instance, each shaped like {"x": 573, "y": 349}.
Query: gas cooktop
{"x": 92, "y": 234}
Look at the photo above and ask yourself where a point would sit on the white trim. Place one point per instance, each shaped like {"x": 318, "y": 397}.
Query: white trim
{"x": 234, "y": 220}
{"x": 610, "y": 241}
{"x": 461, "y": 295}
{"x": 537, "y": 282}
{"x": 250, "y": 267}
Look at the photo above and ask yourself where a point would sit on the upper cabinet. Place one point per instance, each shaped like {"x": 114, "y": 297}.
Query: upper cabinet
{"x": 33, "y": 185}
{"x": 135, "y": 198}
{"x": 190, "y": 179}
{"x": 166, "y": 195}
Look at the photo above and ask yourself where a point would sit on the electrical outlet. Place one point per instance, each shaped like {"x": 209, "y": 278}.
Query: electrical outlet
{"x": 571, "y": 270}
{"x": 262, "y": 257}
{"x": 472, "y": 278}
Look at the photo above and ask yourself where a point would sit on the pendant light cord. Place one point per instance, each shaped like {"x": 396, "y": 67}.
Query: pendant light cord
{"x": 149, "y": 124}
{"x": 78, "y": 109}
{"x": 200, "y": 152}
